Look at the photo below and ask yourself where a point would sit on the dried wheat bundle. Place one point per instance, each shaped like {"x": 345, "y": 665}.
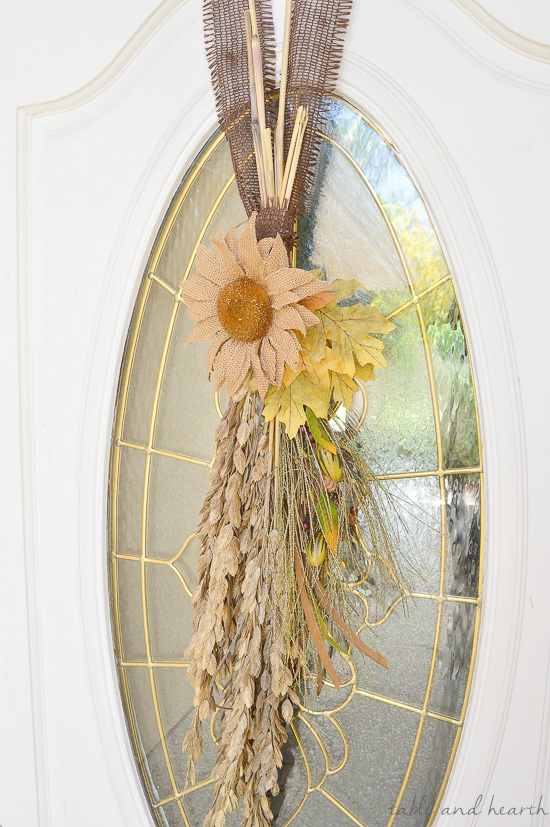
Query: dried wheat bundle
{"x": 238, "y": 648}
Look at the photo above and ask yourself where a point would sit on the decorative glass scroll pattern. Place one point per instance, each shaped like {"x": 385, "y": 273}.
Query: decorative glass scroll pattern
{"x": 378, "y": 752}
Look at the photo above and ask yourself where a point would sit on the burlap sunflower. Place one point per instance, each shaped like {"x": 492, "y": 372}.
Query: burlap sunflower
{"x": 251, "y": 303}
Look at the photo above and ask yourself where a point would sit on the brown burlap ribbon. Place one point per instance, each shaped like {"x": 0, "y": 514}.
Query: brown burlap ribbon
{"x": 271, "y": 221}
{"x": 316, "y": 43}
{"x": 225, "y": 38}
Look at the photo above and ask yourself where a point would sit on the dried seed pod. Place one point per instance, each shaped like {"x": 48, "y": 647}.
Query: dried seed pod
{"x": 330, "y": 464}
{"x": 316, "y": 550}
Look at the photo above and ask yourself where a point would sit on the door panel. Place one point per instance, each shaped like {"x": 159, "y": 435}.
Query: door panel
{"x": 97, "y": 170}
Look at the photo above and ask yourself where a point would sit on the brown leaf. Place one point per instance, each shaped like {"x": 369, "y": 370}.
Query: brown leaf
{"x": 318, "y": 300}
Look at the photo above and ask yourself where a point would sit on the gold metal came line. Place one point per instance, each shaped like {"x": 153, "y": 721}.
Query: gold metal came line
{"x": 399, "y": 475}
{"x": 337, "y": 803}
{"x": 408, "y": 707}
{"x": 162, "y": 283}
{"x": 415, "y": 300}
{"x": 161, "y": 453}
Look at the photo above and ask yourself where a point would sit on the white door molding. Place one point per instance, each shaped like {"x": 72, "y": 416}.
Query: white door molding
{"x": 97, "y": 171}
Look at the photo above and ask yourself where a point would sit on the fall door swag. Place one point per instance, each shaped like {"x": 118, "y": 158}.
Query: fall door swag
{"x": 293, "y": 515}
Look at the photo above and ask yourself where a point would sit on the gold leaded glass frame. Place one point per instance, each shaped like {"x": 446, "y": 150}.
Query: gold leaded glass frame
{"x": 441, "y": 597}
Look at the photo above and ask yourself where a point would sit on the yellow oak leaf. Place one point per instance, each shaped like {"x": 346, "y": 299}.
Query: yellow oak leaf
{"x": 342, "y": 389}
{"x": 334, "y": 352}
{"x": 347, "y": 330}
{"x": 322, "y": 368}
{"x": 344, "y": 288}
{"x": 364, "y": 372}
{"x": 289, "y": 402}
{"x": 290, "y": 375}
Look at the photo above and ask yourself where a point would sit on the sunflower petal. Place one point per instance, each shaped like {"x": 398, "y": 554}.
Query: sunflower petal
{"x": 310, "y": 289}
{"x": 219, "y": 339}
{"x": 221, "y": 365}
{"x": 249, "y": 255}
{"x": 261, "y": 378}
{"x": 277, "y": 258}
{"x": 287, "y": 278}
{"x": 308, "y": 317}
{"x": 282, "y": 299}
{"x": 264, "y": 246}
{"x": 203, "y": 330}
{"x": 286, "y": 342}
{"x": 268, "y": 358}
{"x": 239, "y": 366}
{"x": 208, "y": 267}
{"x": 227, "y": 265}
{"x": 197, "y": 288}
{"x": 202, "y": 310}
{"x": 290, "y": 319}
{"x": 232, "y": 241}
{"x": 280, "y": 361}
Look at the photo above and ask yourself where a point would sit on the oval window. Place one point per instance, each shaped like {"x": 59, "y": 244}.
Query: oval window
{"x": 379, "y": 752}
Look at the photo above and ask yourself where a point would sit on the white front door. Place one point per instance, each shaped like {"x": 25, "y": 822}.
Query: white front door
{"x": 461, "y": 89}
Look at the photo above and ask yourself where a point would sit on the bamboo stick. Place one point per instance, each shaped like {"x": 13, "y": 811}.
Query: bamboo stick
{"x": 294, "y": 154}
{"x": 267, "y": 150}
{"x": 279, "y": 139}
{"x": 257, "y": 65}
{"x": 294, "y": 165}
{"x": 275, "y": 177}
{"x": 254, "y": 114}
{"x": 293, "y": 139}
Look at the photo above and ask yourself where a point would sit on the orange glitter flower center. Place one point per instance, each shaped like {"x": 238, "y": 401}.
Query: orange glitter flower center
{"x": 244, "y": 310}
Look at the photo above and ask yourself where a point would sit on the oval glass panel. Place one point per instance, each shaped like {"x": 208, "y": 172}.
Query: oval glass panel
{"x": 379, "y": 752}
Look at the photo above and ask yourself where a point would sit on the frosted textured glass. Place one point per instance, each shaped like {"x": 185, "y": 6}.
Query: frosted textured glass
{"x": 130, "y": 496}
{"x": 398, "y": 432}
{"x": 187, "y": 415}
{"x": 141, "y": 698}
{"x": 177, "y": 491}
{"x": 463, "y": 535}
{"x": 131, "y": 622}
{"x": 192, "y": 214}
{"x": 455, "y": 390}
{"x": 453, "y": 659}
{"x": 381, "y": 741}
{"x": 419, "y": 530}
{"x": 146, "y": 364}
{"x": 429, "y": 768}
{"x": 169, "y": 618}
{"x": 396, "y": 191}
{"x": 346, "y": 235}
{"x": 406, "y": 638}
